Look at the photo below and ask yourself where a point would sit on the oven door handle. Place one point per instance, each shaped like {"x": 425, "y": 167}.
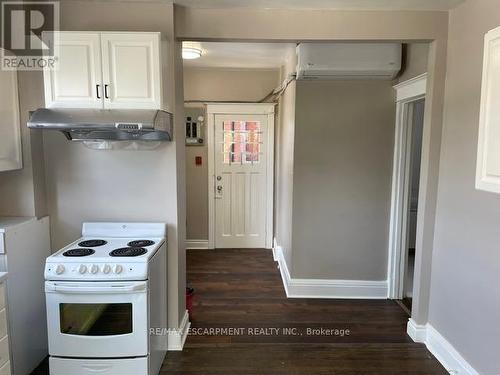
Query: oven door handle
{"x": 79, "y": 289}
{"x": 97, "y": 368}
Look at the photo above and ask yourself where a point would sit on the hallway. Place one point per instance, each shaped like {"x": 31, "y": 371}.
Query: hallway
{"x": 270, "y": 334}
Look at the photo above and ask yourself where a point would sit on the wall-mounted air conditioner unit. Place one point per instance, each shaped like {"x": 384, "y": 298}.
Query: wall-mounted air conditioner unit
{"x": 348, "y": 60}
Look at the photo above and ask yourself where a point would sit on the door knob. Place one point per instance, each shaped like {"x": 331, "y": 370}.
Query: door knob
{"x": 219, "y": 188}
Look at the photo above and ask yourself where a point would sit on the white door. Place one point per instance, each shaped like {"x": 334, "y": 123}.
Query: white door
{"x": 131, "y": 70}
{"x": 240, "y": 154}
{"x": 76, "y": 80}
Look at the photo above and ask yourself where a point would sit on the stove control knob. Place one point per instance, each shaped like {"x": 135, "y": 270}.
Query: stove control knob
{"x": 82, "y": 269}
{"x": 118, "y": 269}
{"x": 59, "y": 269}
{"x": 106, "y": 269}
{"x": 94, "y": 269}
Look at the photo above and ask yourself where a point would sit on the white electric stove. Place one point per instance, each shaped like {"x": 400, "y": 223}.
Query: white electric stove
{"x": 106, "y": 301}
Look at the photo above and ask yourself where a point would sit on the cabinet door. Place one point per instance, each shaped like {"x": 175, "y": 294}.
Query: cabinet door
{"x": 10, "y": 130}
{"x": 76, "y": 80}
{"x": 131, "y": 70}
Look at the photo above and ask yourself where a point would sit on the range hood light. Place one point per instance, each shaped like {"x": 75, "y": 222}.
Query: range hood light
{"x": 190, "y": 53}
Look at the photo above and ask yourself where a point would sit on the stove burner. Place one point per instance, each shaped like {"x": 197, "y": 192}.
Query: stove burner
{"x": 78, "y": 252}
{"x": 92, "y": 243}
{"x": 141, "y": 243}
{"x": 128, "y": 252}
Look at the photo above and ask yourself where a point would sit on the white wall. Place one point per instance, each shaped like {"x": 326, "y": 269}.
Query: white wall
{"x": 224, "y": 84}
{"x": 344, "y": 139}
{"x": 197, "y": 183}
{"x": 416, "y": 58}
{"x": 284, "y": 146}
{"x": 465, "y": 301}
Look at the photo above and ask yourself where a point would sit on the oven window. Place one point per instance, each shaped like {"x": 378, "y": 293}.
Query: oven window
{"x": 96, "y": 319}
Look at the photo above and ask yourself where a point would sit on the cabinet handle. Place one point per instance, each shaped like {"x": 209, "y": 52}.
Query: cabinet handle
{"x": 106, "y": 91}
{"x": 97, "y": 91}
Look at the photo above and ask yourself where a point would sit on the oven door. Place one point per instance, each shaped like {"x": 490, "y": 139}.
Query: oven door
{"x": 97, "y": 319}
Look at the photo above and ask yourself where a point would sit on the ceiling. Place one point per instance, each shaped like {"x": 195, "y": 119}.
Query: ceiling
{"x": 325, "y": 4}
{"x": 239, "y": 55}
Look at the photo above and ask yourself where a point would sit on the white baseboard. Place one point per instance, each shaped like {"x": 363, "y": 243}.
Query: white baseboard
{"x": 441, "y": 348}
{"x": 176, "y": 340}
{"x": 196, "y": 244}
{"x": 275, "y": 245}
{"x": 321, "y": 288}
{"x": 417, "y": 332}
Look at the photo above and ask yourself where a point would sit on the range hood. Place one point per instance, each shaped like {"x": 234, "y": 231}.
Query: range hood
{"x": 105, "y": 124}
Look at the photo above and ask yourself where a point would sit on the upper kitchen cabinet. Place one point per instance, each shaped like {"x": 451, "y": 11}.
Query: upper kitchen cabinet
{"x": 488, "y": 151}
{"x": 77, "y": 81}
{"x": 106, "y": 70}
{"x": 131, "y": 70}
{"x": 10, "y": 130}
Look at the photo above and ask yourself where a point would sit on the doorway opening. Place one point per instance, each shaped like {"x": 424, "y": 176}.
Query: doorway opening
{"x": 230, "y": 142}
{"x": 405, "y": 190}
{"x": 416, "y": 123}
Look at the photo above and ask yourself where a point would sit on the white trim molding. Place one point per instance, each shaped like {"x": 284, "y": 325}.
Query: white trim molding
{"x": 487, "y": 172}
{"x": 417, "y": 332}
{"x": 411, "y": 88}
{"x": 275, "y": 247}
{"x": 441, "y": 348}
{"x": 196, "y": 244}
{"x": 177, "y": 339}
{"x": 406, "y": 93}
{"x": 321, "y": 288}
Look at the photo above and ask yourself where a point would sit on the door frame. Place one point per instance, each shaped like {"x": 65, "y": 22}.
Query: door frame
{"x": 214, "y": 109}
{"x": 406, "y": 92}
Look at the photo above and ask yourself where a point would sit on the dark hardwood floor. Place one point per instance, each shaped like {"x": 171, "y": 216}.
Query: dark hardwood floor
{"x": 242, "y": 290}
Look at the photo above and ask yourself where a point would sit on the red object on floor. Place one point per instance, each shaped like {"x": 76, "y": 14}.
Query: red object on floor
{"x": 189, "y": 301}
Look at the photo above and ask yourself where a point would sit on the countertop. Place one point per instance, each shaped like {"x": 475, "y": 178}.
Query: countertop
{"x": 12, "y": 221}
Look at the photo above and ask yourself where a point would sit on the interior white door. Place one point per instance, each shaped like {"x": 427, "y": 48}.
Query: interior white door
{"x": 131, "y": 70}
{"x": 76, "y": 80}
{"x": 241, "y": 145}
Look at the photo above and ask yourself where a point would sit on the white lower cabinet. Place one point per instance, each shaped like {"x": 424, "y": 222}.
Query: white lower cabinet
{"x": 3, "y": 323}
{"x": 4, "y": 350}
{"x": 4, "y": 338}
{"x": 5, "y": 369}
{"x": 132, "y": 366}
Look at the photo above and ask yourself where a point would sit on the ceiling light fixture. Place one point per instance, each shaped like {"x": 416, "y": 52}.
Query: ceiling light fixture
{"x": 190, "y": 53}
